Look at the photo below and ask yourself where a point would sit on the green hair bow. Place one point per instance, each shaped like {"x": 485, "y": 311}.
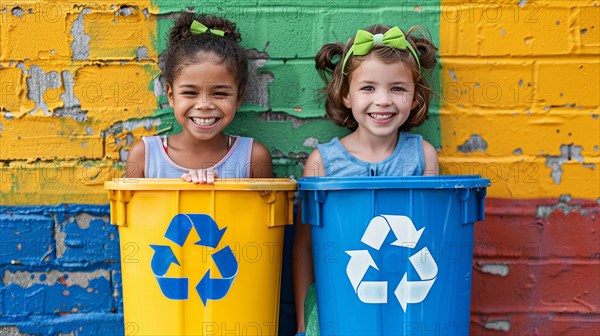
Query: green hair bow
{"x": 365, "y": 41}
{"x": 198, "y": 28}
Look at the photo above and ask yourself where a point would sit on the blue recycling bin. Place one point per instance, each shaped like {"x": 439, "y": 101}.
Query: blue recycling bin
{"x": 393, "y": 255}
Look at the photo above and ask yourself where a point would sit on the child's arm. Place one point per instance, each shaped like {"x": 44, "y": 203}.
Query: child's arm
{"x": 136, "y": 160}
{"x": 262, "y": 164}
{"x": 431, "y": 159}
{"x": 302, "y": 258}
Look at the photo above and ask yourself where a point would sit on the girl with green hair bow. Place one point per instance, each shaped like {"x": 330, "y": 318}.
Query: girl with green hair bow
{"x": 377, "y": 86}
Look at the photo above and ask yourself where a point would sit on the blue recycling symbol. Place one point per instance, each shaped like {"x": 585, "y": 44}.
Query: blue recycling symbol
{"x": 210, "y": 235}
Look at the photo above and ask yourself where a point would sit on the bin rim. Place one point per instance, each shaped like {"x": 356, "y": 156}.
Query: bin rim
{"x": 250, "y": 184}
{"x": 393, "y": 182}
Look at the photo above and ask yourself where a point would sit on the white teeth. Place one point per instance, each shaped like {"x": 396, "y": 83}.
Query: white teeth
{"x": 381, "y": 116}
{"x": 204, "y": 122}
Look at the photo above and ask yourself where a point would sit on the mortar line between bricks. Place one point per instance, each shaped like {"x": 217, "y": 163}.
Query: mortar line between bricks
{"x": 450, "y": 110}
{"x": 522, "y": 260}
{"x": 560, "y": 309}
{"x": 519, "y": 59}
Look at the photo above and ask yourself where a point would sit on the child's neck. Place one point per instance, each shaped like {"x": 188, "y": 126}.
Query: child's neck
{"x": 370, "y": 148}
{"x": 191, "y": 144}
{"x": 197, "y": 154}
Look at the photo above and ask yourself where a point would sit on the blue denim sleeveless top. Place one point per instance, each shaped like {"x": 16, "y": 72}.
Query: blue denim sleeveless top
{"x": 406, "y": 160}
{"x": 235, "y": 164}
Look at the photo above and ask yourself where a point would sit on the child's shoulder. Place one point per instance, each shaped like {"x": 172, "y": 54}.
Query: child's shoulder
{"x": 136, "y": 160}
{"x": 322, "y": 150}
{"x": 331, "y": 142}
{"x": 261, "y": 161}
{"x": 430, "y": 157}
{"x": 138, "y": 149}
{"x": 260, "y": 151}
{"x": 314, "y": 164}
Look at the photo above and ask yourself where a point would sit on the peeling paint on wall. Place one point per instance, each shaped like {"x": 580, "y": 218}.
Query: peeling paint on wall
{"x": 80, "y": 47}
{"x": 257, "y": 90}
{"x": 159, "y": 89}
{"x": 71, "y": 107}
{"x": 8, "y": 330}
{"x": 130, "y": 125}
{"x": 17, "y": 11}
{"x": 141, "y": 53}
{"x": 452, "y": 74}
{"x": 567, "y": 153}
{"x": 311, "y": 142}
{"x": 83, "y": 220}
{"x": 27, "y": 279}
{"x": 544, "y": 211}
{"x": 498, "y": 325}
{"x": 475, "y": 143}
{"x": 38, "y": 83}
{"x": 124, "y": 11}
{"x": 60, "y": 237}
{"x": 283, "y": 117}
{"x": 68, "y": 237}
{"x": 496, "y": 269}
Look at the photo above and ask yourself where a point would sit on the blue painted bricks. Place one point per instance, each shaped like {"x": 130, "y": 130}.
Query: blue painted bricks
{"x": 60, "y": 271}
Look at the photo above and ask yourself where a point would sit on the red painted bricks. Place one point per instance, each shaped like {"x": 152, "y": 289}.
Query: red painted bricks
{"x": 537, "y": 268}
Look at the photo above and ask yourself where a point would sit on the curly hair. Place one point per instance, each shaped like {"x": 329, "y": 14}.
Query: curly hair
{"x": 337, "y": 84}
{"x": 184, "y": 48}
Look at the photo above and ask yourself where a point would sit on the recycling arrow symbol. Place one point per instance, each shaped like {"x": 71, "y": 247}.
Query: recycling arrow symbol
{"x": 208, "y": 288}
{"x": 376, "y": 292}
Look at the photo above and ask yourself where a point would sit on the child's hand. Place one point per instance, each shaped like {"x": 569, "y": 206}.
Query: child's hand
{"x": 200, "y": 176}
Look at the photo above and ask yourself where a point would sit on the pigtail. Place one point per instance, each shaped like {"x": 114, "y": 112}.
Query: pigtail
{"x": 328, "y": 58}
{"x": 420, "y": 38}
{"x": 328, "y": 65}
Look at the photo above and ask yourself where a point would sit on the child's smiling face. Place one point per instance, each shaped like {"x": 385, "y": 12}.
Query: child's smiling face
{"x": 204, "y": 98}
{"x": 380, "y": 96}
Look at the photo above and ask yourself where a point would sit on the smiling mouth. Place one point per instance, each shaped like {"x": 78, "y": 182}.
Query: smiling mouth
{"x": 381, "y": 116}
{"x": 204, "y": 121}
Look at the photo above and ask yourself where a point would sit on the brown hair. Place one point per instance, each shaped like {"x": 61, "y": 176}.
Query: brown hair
{"x": 184, "y": 48}
{"x": 338, "y": 84}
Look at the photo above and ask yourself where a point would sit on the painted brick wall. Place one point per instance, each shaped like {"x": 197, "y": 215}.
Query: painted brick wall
{"x": 518, "y": 103}
{"x": 520, "y": 90}
{"x": 60, "y": 271}
{"x": 531, "y": 123}
{"x": 80, "y": 83}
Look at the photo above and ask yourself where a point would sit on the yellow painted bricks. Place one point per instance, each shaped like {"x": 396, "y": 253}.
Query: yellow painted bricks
{"x": 520, "y": 91}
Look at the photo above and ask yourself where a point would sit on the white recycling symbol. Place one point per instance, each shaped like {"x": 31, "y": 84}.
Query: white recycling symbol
{"x": 406, "y": 236}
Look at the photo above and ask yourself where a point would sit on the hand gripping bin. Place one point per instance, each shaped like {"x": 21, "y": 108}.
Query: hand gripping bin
{"x": 201, "y": 259}
{"x": 393, "y": 255}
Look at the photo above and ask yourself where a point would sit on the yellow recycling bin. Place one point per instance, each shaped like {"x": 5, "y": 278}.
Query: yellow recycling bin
{"x": 201, "y": 259}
